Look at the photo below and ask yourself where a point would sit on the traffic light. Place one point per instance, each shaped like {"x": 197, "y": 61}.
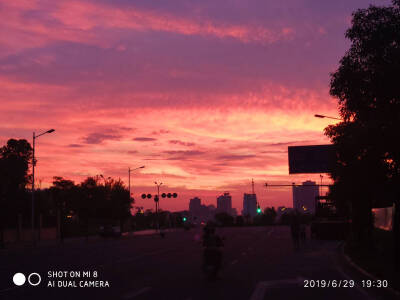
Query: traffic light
{"x": 259, "y": 209}
{"x": 184, "y": 219}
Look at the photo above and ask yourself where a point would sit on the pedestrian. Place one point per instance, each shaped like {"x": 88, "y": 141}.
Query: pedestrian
{"x": 303, "y": 235}
{"x": 295, "y": 231}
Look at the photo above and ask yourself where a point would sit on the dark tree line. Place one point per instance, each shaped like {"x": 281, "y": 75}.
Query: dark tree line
{"x": 367, "y": 172}
{"x": 94, "y": 198}
{"x": 267, "y": 217}
{"x": 100, "y": 198}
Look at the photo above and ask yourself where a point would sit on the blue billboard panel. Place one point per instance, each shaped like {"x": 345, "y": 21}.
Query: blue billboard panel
{"x": 311, "y": 159}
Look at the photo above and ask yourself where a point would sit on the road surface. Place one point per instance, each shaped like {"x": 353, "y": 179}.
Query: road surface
{"x": 259, "y": 263}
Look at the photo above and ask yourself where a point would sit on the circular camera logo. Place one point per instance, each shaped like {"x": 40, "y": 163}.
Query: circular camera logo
{"x": 19, "y": 279}
{"x": 34, "y": 279}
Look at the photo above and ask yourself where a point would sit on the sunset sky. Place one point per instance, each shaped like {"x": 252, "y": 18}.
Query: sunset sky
{"x": 206, "y": 94}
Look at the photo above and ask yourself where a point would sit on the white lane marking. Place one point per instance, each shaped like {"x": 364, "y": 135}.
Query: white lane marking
{"x": 262, "y": 286}
{"x": 259, "y": 292}
{"x": 234, "y": 262}
{"x": 136, "y": 293}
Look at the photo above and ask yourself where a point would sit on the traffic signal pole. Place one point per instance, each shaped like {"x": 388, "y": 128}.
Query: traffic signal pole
{"x": 157, "y": 199}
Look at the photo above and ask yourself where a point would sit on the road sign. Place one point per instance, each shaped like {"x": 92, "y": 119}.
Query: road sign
{"x": 311, "y": 159}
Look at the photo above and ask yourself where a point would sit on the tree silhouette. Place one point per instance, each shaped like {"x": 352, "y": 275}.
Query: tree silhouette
{"x": 269, "y": 216}
{"x": 14, "y": 161}
{"x": 366, "y": 85}
{"x": 14, "y": 166}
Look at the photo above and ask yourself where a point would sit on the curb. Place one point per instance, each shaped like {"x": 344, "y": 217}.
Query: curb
{"x": 362, "y": 271}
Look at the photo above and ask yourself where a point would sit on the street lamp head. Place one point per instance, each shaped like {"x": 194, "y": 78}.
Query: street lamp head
{"x": 50, "y": 131}
{"x": 141, "y": 167}
{"x": 323, "y": 116}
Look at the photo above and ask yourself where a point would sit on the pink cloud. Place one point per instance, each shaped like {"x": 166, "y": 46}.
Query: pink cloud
{"x": 75, "y": 21}
{"x": 86, "y": 16}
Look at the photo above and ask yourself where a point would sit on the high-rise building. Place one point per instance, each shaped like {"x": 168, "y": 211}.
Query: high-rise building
{"x": 200, "y": 213}
{"x": 249, "y": 205}
{"x": 304, "y": 196}
{"x": 224, "y": 203}
{"x": 195, "y": 205}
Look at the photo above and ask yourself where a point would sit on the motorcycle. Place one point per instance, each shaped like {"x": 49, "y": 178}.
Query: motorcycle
{"x": 212, "y": 262}
{"x": 212, "y": 257}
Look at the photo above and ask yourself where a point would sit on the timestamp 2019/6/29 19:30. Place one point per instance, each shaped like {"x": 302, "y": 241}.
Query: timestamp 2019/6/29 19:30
{"x": 344, "y": 283}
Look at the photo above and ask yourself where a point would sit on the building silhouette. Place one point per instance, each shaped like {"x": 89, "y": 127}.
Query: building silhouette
{"x": 224, "y": 203}
{"x": 249, "y": 205}
{"x": 199, "y": 213}
{"x": 304, "y": 196}
{"x": 195, "y": 205}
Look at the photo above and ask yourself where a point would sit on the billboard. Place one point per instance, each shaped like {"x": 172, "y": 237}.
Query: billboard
{"x": 311, "y": 159}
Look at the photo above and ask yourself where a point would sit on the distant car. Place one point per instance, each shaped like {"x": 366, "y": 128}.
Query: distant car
{"x": 110, "y": 231}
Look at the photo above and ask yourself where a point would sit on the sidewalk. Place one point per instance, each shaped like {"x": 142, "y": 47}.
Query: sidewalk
{"x": 390, "y": 292}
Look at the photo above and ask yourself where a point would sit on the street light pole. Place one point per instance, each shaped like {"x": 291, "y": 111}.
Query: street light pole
{"x": 33, "y": 188}
{"x": 34, "y": 137}
{"x": 129, "y": 179}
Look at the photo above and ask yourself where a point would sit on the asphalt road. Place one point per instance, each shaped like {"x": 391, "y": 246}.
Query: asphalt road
{"x": 259, "y": 263}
